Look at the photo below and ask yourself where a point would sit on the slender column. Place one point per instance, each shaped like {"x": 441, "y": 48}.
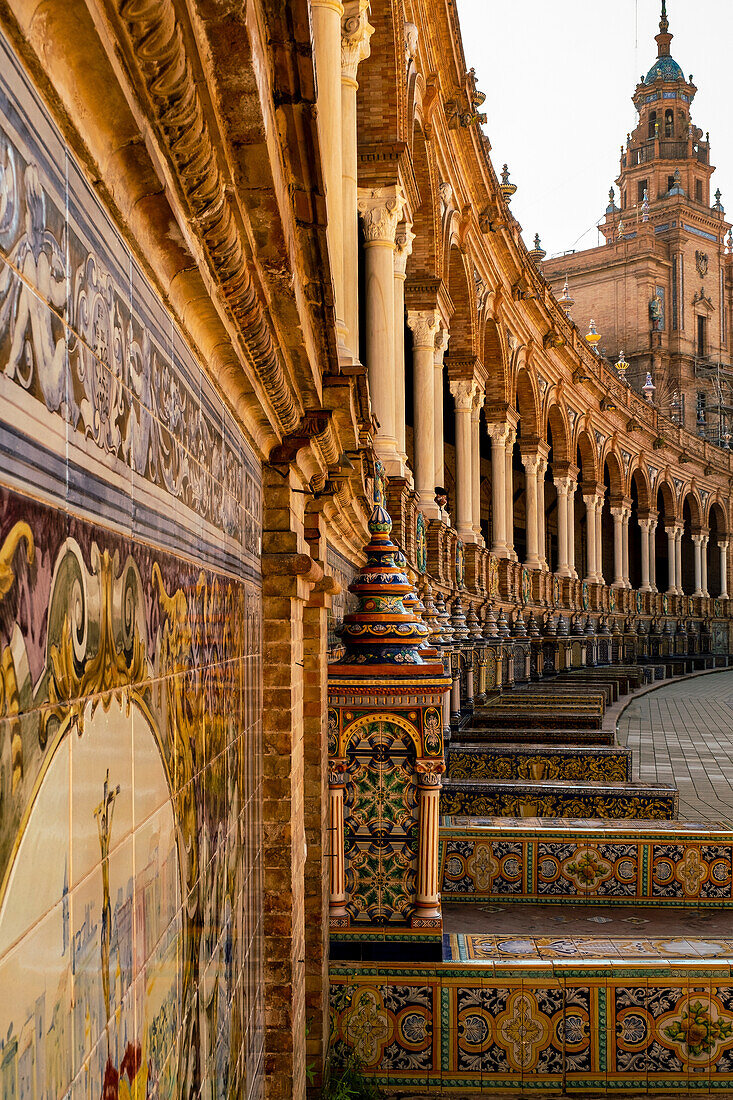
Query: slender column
{"x": 509, "y": 493}
{"x": 541, "y": 546}
{"x": 704, "y": 586}
{"x": 478, "y": 403}
{"x": 423, "y": 324}
{"x": 355, "y": 34}
{"x": 441, "y": 346}
{"x": 403, "y": 247}
{"x": 599, "y": 538}
{"x": 644, "y": 525}
{"x": 671, "y": 560}
{"x": 337, "y": 890}
{"x": 678, "y": 559}
{"x": 697, "y": 545}
{"x": 723, "y": 547}
{"x": 327, "y": 15}
{"x": 564, "y": 568}
{"x": 381, "y": 209}
{"x": 626, "y": 516}
{"x": 499, "y": 434}
{"x": 531, "y": 463}
{"x": 571, "y": 526}
{"x": 455, "y": 696}
{"x": 427, "y": 896}
{"x": 463, "y": 392}
{"x": 653, "y": 554}
{"x": 590, "y": 556}
{"x": 618, "y": 547}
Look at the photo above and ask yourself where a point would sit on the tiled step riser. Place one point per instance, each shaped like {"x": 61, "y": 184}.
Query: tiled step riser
{"x": 516, "y": 799}
{"x": 537, "y": 717}
{"x": 567, "y": 691}
{"x": 527, "y": 734}
{"x": 551, "y": 1028}
{"x": 566, "y": 763}
{"x": 533, "y": 863}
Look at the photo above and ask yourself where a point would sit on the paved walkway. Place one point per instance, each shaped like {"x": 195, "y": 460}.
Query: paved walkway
{"x": 683, "y": 733}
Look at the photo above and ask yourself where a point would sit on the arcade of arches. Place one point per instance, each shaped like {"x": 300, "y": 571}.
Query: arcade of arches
{"x": 330, "y": 551}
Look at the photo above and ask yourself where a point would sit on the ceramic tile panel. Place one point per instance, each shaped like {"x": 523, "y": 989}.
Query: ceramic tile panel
{"x": 130, "y": 639}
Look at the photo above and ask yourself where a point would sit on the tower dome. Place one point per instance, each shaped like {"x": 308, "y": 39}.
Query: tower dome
{"x": 664, "y": 68}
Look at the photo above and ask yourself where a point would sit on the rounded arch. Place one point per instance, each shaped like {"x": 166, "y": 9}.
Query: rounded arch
{"x": 527, "y": 404}
{"x": 640, "y": 479}
{"x": 666, "y": 503}
{"x": 692, "y": 500}
{"x": 616, "y": 481}
{"x": 383, "y": 79}
{"x": 463, "y": 295}
{"x": 425, "y": 258}
{"x": 556, "y": 424}
{"x": 586, "y": 452}
{"x": 493, "y": 356}
{"x": 718, "y": 516}
{"x": 367, "y": 720}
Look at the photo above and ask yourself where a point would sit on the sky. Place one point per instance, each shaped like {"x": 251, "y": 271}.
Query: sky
{"x": 559, "y": 79}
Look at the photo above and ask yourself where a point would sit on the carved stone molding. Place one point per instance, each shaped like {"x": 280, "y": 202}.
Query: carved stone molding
{"x": 381, "y": 209}
{"x": 463, "y": 393}
{"x": 403, "y": 248}
{"x": 423, "y": 323}
{"x": 157, "y": 50}
{"x": 356, "y": 30}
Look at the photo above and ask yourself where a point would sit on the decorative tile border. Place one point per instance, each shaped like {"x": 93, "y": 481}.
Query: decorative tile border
{"x": 553, "y": 799}
{"x": 539, "y": 762}
{"x": 533, "y": 861}
{"x": 552, "y": 1026}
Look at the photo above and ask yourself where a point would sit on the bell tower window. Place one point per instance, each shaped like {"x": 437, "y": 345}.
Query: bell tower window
{"x": 670, "y": 182}
{"x": 641, "y": 187}
{"x": 701, "y": 336}
{"x": 698, "y": 190}
{"x": 668, "y": 123}
{"x": 653, "y": 124}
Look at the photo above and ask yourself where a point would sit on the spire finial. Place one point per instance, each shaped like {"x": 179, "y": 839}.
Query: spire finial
{"x": 664, "y": 22}
{"x": 664, "y": 38}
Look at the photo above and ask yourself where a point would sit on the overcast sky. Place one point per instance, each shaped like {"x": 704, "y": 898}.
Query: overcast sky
{"x": 559, "y": 79}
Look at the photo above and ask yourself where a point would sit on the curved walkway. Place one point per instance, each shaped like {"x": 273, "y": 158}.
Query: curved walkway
{"x": 683, "y": 733}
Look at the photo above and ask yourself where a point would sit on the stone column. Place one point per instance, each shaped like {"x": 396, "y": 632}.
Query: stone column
{"x": 441, "y": 346}
{"x": 599, "y": 538}
{"x": 327, "y": 15}
{"x": 427, "y": 895}
{"x": 541, "y": 546}
{"x": 618, "y": 547}
{"x": 697, "y": 547}
{"x": 478, "y": 403}
{"x": 338, "y": 914}
{"x": 532, "y": 463}
{"x": 705, "y": 540}
{"x": 355, "y": 34}
{"x": 463, "y": 392}
{"x": 678, "y": 559}
{"x": 653, "y": 554}
{"x": 564, "y": 566}
{"x": 403, "y": 247}
{"x": 573, "y": 485}
{"x": 645, "y": 525}
{"x": 499, "y": 433}
{"x": 671, "y": 559}
{"x": 424, "y": 326}
{"x": 625, "y": 546}
{"x": 723, "y": 547}
{"x": 381, "y": 209}
{"x": 590, "y": 556}
{"x": 509, "y": 493}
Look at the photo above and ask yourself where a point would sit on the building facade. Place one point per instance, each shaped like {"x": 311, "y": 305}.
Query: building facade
{"x": 253, "y": 257}
{"x": 660, "y": 288}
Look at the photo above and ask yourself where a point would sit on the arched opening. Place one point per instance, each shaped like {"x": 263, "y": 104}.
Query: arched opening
{"x": 664, "y": 562}
{"x": 639, "y": 493}
{"x": 688, "y": 550}
{"x": 716, "y": 524}
{"x": 669, "y": 123}
{"x": 652, "y": 124}
{"x": 608, "y": 535}
{"x": 585, "y": 461}
{"x": 527, "y": 449}
{"x": 550, "y": 506}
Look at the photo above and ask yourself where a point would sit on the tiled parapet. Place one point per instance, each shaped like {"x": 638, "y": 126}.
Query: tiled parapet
{"x": 539, "y": 762}
{"x": 557, "y": 798}
{"x": 554, "y": 1026}
{"x": 649, "y": 863}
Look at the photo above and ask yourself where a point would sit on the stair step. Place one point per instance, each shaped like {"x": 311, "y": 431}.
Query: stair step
{"x": 539, "y": 762}
{"x": 539, "y": 717}
{"x": 582, "y": 691}
{"x": 498, "y": 735}
{"x": 557, "y": 798}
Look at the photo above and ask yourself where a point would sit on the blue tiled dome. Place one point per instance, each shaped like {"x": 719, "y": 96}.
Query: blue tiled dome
{"x": 667, "y": 68}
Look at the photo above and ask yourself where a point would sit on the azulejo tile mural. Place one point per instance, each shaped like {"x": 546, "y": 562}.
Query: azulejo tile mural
{"x": 130, "y": 642}
{"x": 552, "y": 1026}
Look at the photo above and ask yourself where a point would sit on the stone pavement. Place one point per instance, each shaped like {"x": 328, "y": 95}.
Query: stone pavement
{"x": 683, "y": 733}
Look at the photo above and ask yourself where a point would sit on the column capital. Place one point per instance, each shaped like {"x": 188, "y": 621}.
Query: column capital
{"x": 531, "y": 462}
{"x": 423, "y": 324}
{"x": 478, "y": 401}
{"x": 618, "y": 511}
{"x": 463, "y": 391}
{"x": 403, "y": 248}
{"x": 499, "y": 432}
{"x": 722, "y": 544}
{"x": 356, "y": 30}
{"x": 564, "y": 485}
{"x": 381, "y": 209}
{"x": 441, "y": 344}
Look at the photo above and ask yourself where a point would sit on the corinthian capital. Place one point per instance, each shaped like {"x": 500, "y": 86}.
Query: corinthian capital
{"x": 403, "y": 247}
{"x": 381, "y": 210}
{"x": 423, "y": 323}
{"x": 499, "y": 432}
{"x": 356, "y": 30}
{"x": 463, "y": 393}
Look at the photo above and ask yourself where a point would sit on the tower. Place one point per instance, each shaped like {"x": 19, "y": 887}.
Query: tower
{"x": 660, "y": 287}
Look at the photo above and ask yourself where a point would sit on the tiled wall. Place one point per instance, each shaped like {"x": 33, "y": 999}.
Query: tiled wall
{"x": 562, "y": 1028}
{"x": 650, "y": 864}
{"x": 130, "y": 674}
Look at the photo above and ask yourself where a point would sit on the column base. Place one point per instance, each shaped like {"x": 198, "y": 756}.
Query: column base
{"x": 428, "y": 507}
{"x": 564, "y": 571}
{"x": 466, "y": 534}
{"x": 500, "y": 551}
{"x": 427, "y": 919}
